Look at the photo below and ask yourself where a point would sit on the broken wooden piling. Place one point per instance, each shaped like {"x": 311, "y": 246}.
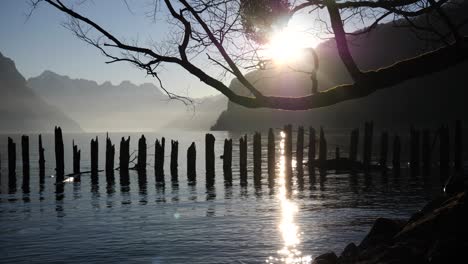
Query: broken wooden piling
{"x": 191, "y": 163}
{"x": 227, "y": 162}
{"x": 209, "y": 159}
{"x": 322, "y": 149}
{"x": 288, "y": 154}
{"x": 11, "y": 163}
{"x": 124, "y": 158}
{"x": 174, "y": 161}
{"x": 367, "y": 153}
{"x": 110, "y": 156}
{"x": 26, "y": 164}
{"x": 142, "y": 153}
{"x": 271, "y": 157}
{"x": 59, "y": 155}
{"x": 257, "y": 158}
{"x": 243, "y": 160}
{"x": 159, "y": 160}
{"x": 76, "y": 158}
{"x": 396, "y": 155}
{"x": 300, "y": 148}
{"x": 94, "y": 156}
{"x": 312, "y": 149}
{"x": 41, "y": 162}
{"x": 383, "y": 151}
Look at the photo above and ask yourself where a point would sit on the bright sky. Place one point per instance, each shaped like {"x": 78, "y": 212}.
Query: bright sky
{"x": 42, "y": 43}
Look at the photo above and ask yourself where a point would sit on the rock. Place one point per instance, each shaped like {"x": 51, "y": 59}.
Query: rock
{"x": 382, "y": 232}
{"x": 349, "y": 254}
{"x": 327, "y": 258}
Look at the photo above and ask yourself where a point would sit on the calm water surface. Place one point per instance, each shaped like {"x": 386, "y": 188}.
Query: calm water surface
{"x": 179, "y": 223}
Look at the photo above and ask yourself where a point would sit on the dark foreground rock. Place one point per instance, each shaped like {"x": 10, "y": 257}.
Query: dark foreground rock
{"x": 436, "y": 234}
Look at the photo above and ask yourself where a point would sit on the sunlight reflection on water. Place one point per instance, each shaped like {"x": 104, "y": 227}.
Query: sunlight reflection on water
{"x": 289, "y": 230}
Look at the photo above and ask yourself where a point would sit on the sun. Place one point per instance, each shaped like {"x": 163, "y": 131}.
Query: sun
{"x": 287, "y": 46}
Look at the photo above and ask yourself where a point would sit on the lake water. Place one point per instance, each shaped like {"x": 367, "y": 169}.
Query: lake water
{"x": 146, "y": 223}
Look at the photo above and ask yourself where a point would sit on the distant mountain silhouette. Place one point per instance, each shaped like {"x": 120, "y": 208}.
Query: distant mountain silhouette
{"x": 21, "y": 110}
{"x": 123, "y": 107}
{"x": 426, "y": 101}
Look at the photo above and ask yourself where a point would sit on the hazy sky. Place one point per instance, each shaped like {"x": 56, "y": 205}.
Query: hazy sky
{"x": 42, "y": 43}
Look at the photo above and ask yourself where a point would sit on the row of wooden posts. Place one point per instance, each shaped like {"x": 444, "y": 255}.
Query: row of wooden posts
{"x": 350, "y": 163}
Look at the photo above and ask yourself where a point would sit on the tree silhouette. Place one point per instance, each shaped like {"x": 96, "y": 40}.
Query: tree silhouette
{"x": 231, "y": 33}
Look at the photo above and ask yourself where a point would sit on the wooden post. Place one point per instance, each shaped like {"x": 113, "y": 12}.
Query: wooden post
{"x": 94, "y": 160}
{"x": 191, "y": 163}
{"x": 142, "y": 153}
{"x": 312, "y": 148}
{"x": 415, "y": 148}
{"x": 288, "y": 155}
{"x": 209, "y": 159}
{"x": 26, "y": 165}
{"x": 354, "y": 142}
{"x": 243, "y": 160}
{"x": 59, "y": 156}
{"x": 426, "y": 152}
{"x": 300, "y": 147}
{"x": 227, "y": 162}
{"x": 76, "y": 158}
{"x": 41, "y": 162}
{"x": 124, "y": 159}
{"x": 159, "y": 160}
{"x": 271, "y": 157}
{"x": 174, "y": 160}
{"x": 257, "y": 158}
{"x": 458, "y": 147}
{"x": 383, "y": 151}
{"x": 444, "y": 157}
{"x": 11, "y": 164}
{"x": 368, "y": 135}
{"x": 322, "y": 149}
{"x": 396, "y": 155}
{"x": 110, "y": 155}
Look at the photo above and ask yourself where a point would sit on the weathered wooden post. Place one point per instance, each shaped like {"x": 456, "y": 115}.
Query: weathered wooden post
{"x": 396, "y": 155}
{"x": 288, "y": 154}
{"x": 458, "y": 145}
{"x": 271, "y": 157}
{"x": 41, "y": 162}
{"x": 76, "y": 158}
{"x": 353, "y": 147}
{"x": 110, "y": 156}
{"x": 227, "y": 162}
{"x": 257, "y": 158}
{"x": 141, "y": 159}
{"x": 11, "y": 164}
{"x": 94, "y": 155}
{"x": 415, "y": 148}
{"x": 159, "y": 160}
{"x": 59, "y": 156}
{"x": 209, "y": 159}
{"x": 368, "y": 135}
{"x": 191, "y": 164}
{"x": 322, "y": 149}
{"x": 243, "y": 160}
{"x": 383, "y": 150}
{"x": 26, "y": 165}
{"x": 426, "y": 152}
{"x": 124, "y": 159}
{"x": 174, "y": 161}
{"x": 300, "y": 147}
{"x": 312, "y": 149}
{"x": 444, "y": 148}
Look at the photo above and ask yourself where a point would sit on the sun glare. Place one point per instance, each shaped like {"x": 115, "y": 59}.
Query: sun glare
{"x": 287, "y": 46}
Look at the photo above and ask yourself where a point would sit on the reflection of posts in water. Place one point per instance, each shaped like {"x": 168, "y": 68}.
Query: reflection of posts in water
{"x": 59, "y": 191}
{"x": 41, "y": 162}
{"x": 426, "y": 153}
{"x": 191, "y": 164}
{"x": 396, "y": 155}
{"x": 26, "y": 165}
{"x": 110, "y": 155}
{"x": 271, "y": 158}
{"x": 142, "y": 151}
{"x": 11, "y": 165}
{"x": 159, "y": 160}
{"x": 59, "y": 156}
{"x": 257, "y": 159}
{"x": 383, "y": 151}
{"x": 243, "y": 160}
{"x": 209, "y": 159}
{"x": 227, "y": 162}
{"x": 415, "y": 148}
{"x": 444, "y": 155}
{"x": 174, "y": 161}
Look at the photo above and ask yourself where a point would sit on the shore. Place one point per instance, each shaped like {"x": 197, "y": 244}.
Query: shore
{"x": 438, "y": 233}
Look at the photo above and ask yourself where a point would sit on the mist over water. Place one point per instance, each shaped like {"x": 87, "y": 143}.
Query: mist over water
{"x": 103, "y": 222}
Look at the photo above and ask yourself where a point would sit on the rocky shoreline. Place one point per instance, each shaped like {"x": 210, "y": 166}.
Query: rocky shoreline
{"x": 436, "y": 234}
